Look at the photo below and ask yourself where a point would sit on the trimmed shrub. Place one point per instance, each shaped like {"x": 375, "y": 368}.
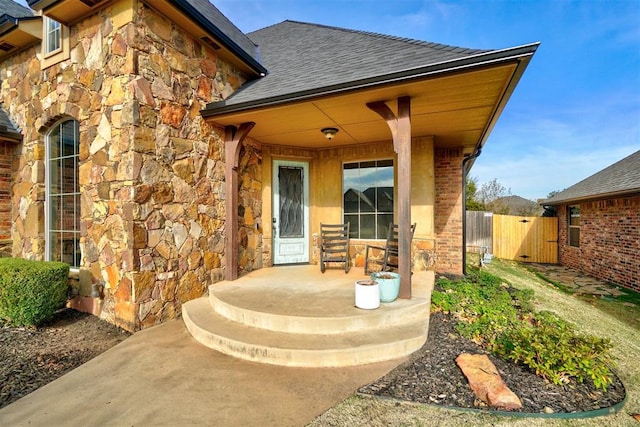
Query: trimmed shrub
{"x": 31, "y": 291}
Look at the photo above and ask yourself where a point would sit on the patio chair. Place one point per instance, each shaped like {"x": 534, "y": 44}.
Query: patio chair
{"x": 385, "y": 256}
{"x": 334, "y": 245}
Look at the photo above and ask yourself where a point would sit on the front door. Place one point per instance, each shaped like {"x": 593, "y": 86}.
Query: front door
{"x": 290, "y": 212}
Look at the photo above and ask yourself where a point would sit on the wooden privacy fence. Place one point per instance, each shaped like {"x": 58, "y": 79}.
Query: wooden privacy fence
{"x": 519, "y": 238}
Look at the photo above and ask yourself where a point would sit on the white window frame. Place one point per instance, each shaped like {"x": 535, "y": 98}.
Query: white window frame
{"x": 52, "y": 35}
{"x": 62, "y": 50}
{"x": 49, "y": 256}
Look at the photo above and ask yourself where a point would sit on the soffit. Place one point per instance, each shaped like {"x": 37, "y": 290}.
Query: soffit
{"x": 67, "y": 12}
{"x": 456, "y": 109}
{"x": 25, "y": 33}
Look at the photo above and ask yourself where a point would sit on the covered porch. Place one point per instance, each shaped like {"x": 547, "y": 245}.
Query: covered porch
{"x": 406, "y": 128}
{"x": 297, "y": 316}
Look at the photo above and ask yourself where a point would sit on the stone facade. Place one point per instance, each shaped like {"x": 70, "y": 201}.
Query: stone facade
{"x": 609, "y": 240}
{"x": 151, "y": 169}
{"x": 448, "y": 210}
{"x": 6, "y": 172}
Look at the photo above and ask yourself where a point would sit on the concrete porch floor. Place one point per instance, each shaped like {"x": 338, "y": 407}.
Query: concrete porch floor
{"x": 297, "y": 316}
{"x": 302, "y": 290}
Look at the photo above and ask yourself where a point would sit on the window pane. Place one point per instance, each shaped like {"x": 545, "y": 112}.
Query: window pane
{"x": 53, "y": 170}
{"x": 384, "y": 199}
{"x": 354, "y": 225}
{"x": 55, "y": 218}
{"x": 351, "y": 193}
{"x": 367, "y": 226}
{"x": 54, "y": 144}
{"x": 69, "y": 248}
{"x": 68, "y": 139}
{"x": 384, "y": 222}
{"x": 52, "y": 35}
{"x": 574, "y": 215}
{"x": 68, "y": 212}
{"x": 574, "y": 236}
{"x": 68, "y": 175}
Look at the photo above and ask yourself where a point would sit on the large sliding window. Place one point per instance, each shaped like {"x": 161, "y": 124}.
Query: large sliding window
{"x": 62, "y": 219}
{"x": 368, "y": 198}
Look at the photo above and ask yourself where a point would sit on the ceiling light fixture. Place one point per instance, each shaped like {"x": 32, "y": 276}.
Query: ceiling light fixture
{"x": 329, "y": 133}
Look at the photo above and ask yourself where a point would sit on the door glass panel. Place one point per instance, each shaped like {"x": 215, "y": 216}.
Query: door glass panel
{"x": 290, "y": 182}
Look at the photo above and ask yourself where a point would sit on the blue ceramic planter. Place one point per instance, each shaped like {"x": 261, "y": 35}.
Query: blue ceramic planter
{"x": 389, "y": 285}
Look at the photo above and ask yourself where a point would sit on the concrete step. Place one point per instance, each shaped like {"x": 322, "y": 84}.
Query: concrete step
{"x": 325, "y": 312}
{"x": 351, "y": 348}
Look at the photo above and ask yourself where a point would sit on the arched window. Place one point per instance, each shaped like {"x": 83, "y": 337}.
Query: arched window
{"x": 62, "y": 218}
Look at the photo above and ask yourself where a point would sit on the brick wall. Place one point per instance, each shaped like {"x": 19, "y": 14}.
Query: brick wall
{"x": 448, "y": 210}
{"x": 609, "y": 241}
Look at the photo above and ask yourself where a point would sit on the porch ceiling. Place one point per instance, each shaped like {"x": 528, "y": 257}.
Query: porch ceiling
{"x": 457, "y": 109}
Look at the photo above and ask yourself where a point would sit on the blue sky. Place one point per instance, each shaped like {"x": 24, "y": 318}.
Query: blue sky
{"x": 577, "y": 108}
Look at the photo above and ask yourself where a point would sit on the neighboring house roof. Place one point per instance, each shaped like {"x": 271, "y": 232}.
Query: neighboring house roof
{"x": 619, "y": 179}
{"x": 308, "y": 60}
{"x": 8, "y": 130}
{"x": 518, "y": 206}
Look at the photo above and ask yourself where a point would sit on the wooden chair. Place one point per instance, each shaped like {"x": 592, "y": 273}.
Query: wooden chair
{"x": 334, "y": 245}
{"x": 385, "y": 256}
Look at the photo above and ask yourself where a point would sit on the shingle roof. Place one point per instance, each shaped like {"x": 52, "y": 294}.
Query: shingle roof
{"x": 620, "y": 178}
{"x": 8, "y": 130}
{"x": 304, "y": 58}
{"x": 13, "y": 9}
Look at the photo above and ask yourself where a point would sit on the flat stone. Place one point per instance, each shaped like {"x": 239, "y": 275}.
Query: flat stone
{"x": 486, "y": 383}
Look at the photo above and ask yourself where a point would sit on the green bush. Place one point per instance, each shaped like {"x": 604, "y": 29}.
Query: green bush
{"x": 31, "y": 291}
{"x": 502, "y": 319}
{"x": 554, "y": 350}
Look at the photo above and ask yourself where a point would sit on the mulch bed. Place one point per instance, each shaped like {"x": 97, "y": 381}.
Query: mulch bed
{"x": 33, "y": 357}
{"x": 432, "y": 376}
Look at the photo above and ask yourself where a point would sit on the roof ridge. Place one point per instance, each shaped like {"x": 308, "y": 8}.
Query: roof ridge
{"x": 433, "y": 45}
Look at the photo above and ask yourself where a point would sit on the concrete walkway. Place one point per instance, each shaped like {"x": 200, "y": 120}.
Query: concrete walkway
{"x": 162, "y": 377}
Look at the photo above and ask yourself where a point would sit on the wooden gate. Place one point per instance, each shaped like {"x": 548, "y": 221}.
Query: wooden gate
{"x": 479, "y": 231}
{"x": 527, "y": 239}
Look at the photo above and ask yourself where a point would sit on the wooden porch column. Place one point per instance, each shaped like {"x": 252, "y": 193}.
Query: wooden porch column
{"x": 400, "y": 127}
{"x": 233, "y": 138}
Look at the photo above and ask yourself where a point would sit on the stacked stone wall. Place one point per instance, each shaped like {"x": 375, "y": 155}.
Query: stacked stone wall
{"x": 6, "y": 163}
{"x": 151, "y": 170}
{"x": 609, "y": 240}
{"x": 448, "y": 210}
